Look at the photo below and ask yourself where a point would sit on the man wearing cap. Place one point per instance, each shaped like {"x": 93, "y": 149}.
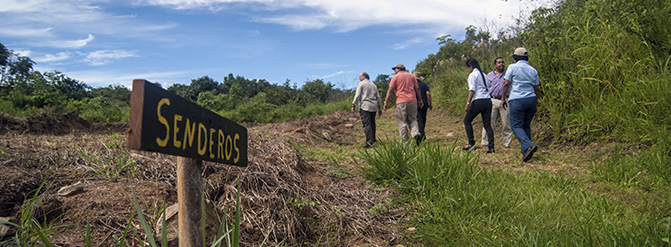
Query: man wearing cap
{"x": 522, "y": 81}
{"x": 425, "y": 94}
{"x": 405, "y": 87}
{"x": 496, "y": 92}
{"x": 368, "y": 99}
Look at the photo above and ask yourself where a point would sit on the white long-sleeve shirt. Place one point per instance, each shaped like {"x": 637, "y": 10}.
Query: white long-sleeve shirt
{"x": 367, "y": 97}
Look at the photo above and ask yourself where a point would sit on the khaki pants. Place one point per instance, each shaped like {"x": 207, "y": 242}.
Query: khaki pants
{"x": 505, "y": 121}
{"x": 406, "y": 117}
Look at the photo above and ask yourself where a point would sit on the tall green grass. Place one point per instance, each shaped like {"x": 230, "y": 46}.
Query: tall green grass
{"x": 460, "y": 204}
{"x": 604, "y": 68}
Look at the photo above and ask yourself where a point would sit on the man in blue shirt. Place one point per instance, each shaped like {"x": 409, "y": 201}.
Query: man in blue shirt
{"x": 496, "y": 91}
{"x": 522, "y": 81}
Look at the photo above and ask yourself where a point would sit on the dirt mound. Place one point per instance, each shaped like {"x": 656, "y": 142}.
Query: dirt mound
{"x": 334, "y": 128}
{"x": 54, "y": 124}
{"x": 284, "y": 198}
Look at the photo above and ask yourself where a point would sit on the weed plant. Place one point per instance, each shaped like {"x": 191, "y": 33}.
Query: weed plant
{"x": 120, "y": 163}
{"x": 461, "y": 204}
{"x": 31, "y": 230}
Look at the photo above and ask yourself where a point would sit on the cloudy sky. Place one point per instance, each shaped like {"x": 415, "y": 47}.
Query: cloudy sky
{"x": 104, "y": 42}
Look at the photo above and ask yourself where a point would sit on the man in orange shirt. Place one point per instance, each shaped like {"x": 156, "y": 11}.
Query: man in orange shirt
{"x": 405, "y": 87}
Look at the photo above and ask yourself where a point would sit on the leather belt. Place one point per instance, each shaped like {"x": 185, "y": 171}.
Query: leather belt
{"x": 497, "y": 97}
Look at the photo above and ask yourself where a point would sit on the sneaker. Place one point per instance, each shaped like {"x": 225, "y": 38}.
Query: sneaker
{"x": 490, "y": 150}
{"x": 469, "y": 147}
{"x": 529, "y": 153}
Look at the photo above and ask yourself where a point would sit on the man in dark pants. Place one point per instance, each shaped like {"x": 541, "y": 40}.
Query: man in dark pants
{"x": 368, "y": 99}
{"x": 425, "y": 93}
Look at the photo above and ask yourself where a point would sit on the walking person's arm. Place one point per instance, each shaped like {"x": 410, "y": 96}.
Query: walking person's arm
{"x": 470, "y": 97}
{"x": 379, "y": 103}
{"x": 506, "y": 88}
{"x": 428, "y": 98}
{"x": 389, "y": 92}
{"x": 357, "y": 97}
{"x": 420, "y": 103}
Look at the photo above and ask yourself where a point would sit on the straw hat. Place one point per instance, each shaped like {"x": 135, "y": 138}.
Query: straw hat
{"x": 418, "y": 75}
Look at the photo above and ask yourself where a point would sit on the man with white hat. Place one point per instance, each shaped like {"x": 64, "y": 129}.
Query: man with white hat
{"x": 522, "y": 81}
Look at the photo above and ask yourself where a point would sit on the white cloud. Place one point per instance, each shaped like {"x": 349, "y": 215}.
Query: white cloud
{"x": 103, "y": 57}
{"x": 403, "y": 45}
{"x": 24, "y": 53}
{"x": 23, "y": 31}
{"x": 103, "y": 78}
{"x": 45, "y": 20}
{"x": 53, "y": 57}
{"x": 347, "y": 15}
{"x": 331, "y": 75}
{"x": 70, "y": 44}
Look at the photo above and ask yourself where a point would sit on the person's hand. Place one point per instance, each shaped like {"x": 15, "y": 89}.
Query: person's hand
{"x": 352, "y": 108}
{"x": 468, "y": 107}
{"x": 421, "y": 103}
{"x": 379, "y": 113}
{"x": 504, "y": 103}
{"x": 385, "y": 106}
{"x": 430, "y": 107}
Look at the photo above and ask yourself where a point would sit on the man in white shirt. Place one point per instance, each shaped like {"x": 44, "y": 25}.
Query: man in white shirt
{"x": 368, "y": 99}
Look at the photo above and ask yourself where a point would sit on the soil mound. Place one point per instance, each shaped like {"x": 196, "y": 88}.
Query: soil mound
{"x": 55, "y": 124}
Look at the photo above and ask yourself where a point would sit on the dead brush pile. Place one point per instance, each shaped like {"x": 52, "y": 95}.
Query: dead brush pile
{"x": 288, "y": 200}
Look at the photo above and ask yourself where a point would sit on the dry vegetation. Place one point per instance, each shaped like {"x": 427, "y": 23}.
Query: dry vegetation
{"x": 284, "y": 197}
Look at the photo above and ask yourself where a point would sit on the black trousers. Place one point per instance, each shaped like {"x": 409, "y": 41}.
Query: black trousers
{"x": 421, "y": 121}
{"x": 484, "y": 108}
{"x": 368, "y": 121}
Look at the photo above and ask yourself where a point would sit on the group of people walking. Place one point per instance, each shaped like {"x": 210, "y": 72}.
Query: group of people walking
{"x": 509, "y": 94}
{"x": 413, "y": 100}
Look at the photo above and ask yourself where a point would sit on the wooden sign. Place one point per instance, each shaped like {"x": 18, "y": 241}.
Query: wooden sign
{"x": 161, "y": 121}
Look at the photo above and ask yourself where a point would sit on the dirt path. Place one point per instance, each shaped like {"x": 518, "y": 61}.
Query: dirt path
{"x": 443, "y": 127}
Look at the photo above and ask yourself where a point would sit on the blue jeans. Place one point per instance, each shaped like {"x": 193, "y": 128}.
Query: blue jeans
{"x": 522, "y": 111}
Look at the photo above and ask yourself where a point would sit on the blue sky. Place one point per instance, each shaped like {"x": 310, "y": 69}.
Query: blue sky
{"x": 110, "y": 42}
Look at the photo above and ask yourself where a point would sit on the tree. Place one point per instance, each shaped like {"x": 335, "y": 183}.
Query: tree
{"x": 382, "y": 83}
{"x": 4, "y": 55}
{"x": 13, "y": 66}
{"x": 116, "y": 94}
{"x": 67, "y": 86}
{"x": 318, "y": 89}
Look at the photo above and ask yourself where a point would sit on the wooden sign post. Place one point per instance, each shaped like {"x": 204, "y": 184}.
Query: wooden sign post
{"x": 161, "y": 121}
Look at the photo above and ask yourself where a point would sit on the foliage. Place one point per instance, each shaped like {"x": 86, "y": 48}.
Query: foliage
{"x": 603, "y": 66}
{"x": 24, "y": 92}
{"x": 606, "y": 62}
{"x": 461, "y": 204}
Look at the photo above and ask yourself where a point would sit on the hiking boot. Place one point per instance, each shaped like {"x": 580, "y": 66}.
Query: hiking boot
{"x": 529, "y": 153}
{"x": 469, "y": 147}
